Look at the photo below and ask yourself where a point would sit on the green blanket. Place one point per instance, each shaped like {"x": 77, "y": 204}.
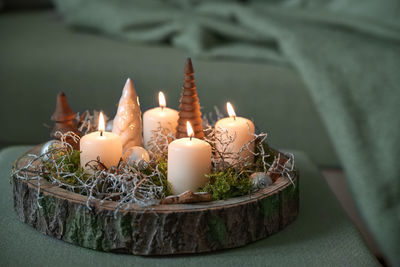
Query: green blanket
{"x": 348, "y": 53}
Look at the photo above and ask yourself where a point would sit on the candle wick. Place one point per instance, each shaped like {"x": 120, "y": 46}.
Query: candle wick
{"x": 234, "y": 117}
{"x": 101, "y": 133}
{"x": 190, "y": 137}
{"x": 162, "y": 108}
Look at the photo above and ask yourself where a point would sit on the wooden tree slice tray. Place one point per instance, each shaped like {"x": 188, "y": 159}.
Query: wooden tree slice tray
{"x": 155, "y": 230}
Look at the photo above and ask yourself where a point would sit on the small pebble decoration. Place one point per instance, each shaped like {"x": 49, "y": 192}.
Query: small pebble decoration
{"x": 137, "y": 155}
{"x": 260, "y": 180}
{"x": 48, "y": 146}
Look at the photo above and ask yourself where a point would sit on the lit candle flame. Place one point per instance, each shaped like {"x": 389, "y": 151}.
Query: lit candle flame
{"x": 161, "y": 100}
{"x": 101, "y": 123}
{"x": 231, "y": 111}
{"x": 189, "y": 130}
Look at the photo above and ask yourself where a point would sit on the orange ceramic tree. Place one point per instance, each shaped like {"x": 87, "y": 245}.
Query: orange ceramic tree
{"x": 64, "y": 119}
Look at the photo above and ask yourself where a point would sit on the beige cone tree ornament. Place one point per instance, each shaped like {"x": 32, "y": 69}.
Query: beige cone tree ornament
{"x": 189, "y": 108}
{"x": 128, "y": 121}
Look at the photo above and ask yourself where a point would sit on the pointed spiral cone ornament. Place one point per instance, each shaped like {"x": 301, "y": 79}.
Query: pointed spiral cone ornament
{"x": 64, "y": 120}
{"x": 128, "y": 121}
{"x": 189, "y": 108}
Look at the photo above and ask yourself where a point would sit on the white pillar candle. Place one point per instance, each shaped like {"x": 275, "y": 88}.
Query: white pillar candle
{"x": 189, "y": 160}
{"x": 163, "y": 117}
{"x": 105, "y": 145}
{"x": 240, "y": 131}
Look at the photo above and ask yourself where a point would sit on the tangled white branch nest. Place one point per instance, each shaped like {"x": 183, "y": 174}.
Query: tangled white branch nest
{"x": 134, "y": 185}
{"x": 125, "y": 184}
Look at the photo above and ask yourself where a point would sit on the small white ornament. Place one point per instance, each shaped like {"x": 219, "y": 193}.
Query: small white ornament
{"x": 49, "y": 145}
{"x": 260, "y": 180}
{"x": 137, "y": 155}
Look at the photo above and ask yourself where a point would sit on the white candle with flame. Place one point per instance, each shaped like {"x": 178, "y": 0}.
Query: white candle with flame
{"x": 101, "y": 144}
{"x": 189, "y": 160}
{"x": 233, "y": 134}
{"x": 158, "y": 118}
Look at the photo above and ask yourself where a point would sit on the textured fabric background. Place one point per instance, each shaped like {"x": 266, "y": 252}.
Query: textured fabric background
{"x": 41, "y": 55}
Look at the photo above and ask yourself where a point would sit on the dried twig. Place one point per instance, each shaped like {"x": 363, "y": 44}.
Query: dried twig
{"x": 129, "y": 185}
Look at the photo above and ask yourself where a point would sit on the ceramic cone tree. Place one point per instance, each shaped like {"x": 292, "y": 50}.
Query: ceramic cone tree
{"x": 64, "y": 119}
{"x": 189, "y": 108}
{"x": 128, "y": 121}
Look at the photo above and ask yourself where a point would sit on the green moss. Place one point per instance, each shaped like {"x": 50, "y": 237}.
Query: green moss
{"x": 71, "y": 164}
{"x": 94, "y": 233}
{"x": 125, "y": 225}
{"x": 232, "y": 183}
{"x": 217, "y": 230}
{"x": 268, "y": 151}
{"x": 47, "y": 204}
{"x": 85, "y": 230}
{"x": 73, "y": 231}
{"x": 160, "y": 180}
{"x": 227, "y": 184}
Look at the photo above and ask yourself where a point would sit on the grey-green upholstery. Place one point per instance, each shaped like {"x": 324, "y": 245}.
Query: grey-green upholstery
{"x": 41, "y": 56}
{"x": 322, "y": 235}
